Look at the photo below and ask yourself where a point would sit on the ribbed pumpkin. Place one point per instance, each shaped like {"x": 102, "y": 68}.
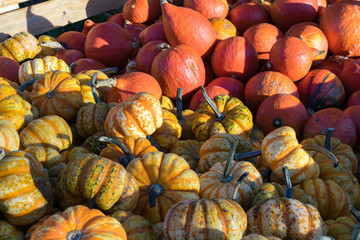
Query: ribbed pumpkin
{"x": 189, "y": 150}
{"x": 138, "y": 116}
{"x": 212, "y": 92}
{"x": 13, "y": 108}
{"x": 9, "y": 137}
{"x": 9, "y": 229}
{"x": 20, "y": 47}
{"x": 92, "y": 143}
{"x": 104, "y": 182}
{"x": 49, "y": 131}
{"x": 179, "y": 30}
{"x": 80, "y": 222}
{"x": 163, "y": 179}
{"x": 167, "y": 103}
{"x": 225, "y": 219}
{"x": 73, "y": 153}
{"x": 25, "y": 188}
{"x": 209, "y": 9}
{"x": 221, "y": 115}
{"x": 45, "y": 50}
{"x": 39, "y": 66}
{"x": 342, "y": 227}
{"x": 320, "y": 89}
{"x": 223, "y": 28}
{"x": 256, "y": 236}
{"x": 135, "y": 226}
{"x": 57, "y": 93}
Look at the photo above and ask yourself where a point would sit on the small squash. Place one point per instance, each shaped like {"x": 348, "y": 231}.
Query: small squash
{"x": 189, "y": 150}
{"x": 9, "y": 229}
{"x": 9, "y": 137}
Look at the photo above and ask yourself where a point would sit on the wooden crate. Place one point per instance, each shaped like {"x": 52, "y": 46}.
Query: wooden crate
{"x": 48, "y": 15}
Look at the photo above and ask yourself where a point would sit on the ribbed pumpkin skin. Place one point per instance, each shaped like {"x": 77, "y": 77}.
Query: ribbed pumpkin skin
{"x": 9, "y": 137}
{"x": 171, "y": 172}
{"x": 256, "y": 236}
{"x": 237, "y": 121}
{"x": 209, "y": 9}
{"x": 66, "y": 99}
{"x": 189, "y": 150}
{"x": 8, "y": 229}
{"x": 84, "y": 78}
{"x": 138, "y": 116}
{"x": 225, "y": 219}
{"x": 281, "y": 148}
{"x": 223, "y": 28}
{"x": 138, "y": 147}
{"x": 332, "y": 201}
{"x": 39, "y": 66}
{"x": 25, "y": 190}
{"x": 212, "y": 187}
{"x": 216, "y": 149}
{"x": 20, "y": 47}
{"x": 287, "y": 219}
{"x": 6, "y": 90}
{"x": 13, "y": 108}
{"x": 49, "y": 131}
{"x": 72, "y": 153}
{"x": 105, "y": 182}
{"x": 320, "y": 89}
{"x": 342, "y": 227}
{"x": 135, "y": 226}
{"x": 92, "y": 224}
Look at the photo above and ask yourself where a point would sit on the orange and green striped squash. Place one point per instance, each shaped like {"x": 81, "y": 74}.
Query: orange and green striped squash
{"x": 342, "y": 227}
{"x": 9, "y": 137}
{"x": 46, "y": 51}
{"x": 13, "y": 108}
{"x": 189, "y": 150}
{"x": 9, "y": 229}
{"x": 73, "y": 152}
{"x": 84, "y": 78}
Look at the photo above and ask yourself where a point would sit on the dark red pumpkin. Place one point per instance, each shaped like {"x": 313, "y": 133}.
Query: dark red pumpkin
{"x": 87, "y": 64}
{"x": 69, "y": 56}
{"x": 179, "y": 67}
{"x": 344, "y": 128}
{"x": 9, "y": 69}
{"x": 140, "y": 11}
{"x": 75, "y": 40}
{"x": 147, "y": 54}
{"x": 263, "y": 36}
{"x": 234, "y": 86}
{"x": 281, "y": 110}
{"x": 189, "y": 27}
{"x": 134, "y": 29}
{"x": 209, "y": 8}
{"x": 350, "y": 75}
{"x": 212, "y": 91}
{"x": 354, "y": 99}
{"x": 235, "y": 57}
{"x": 117, "y": 18}
{"x": 246, "y": 15}
{"x": 354, "y": 113}
{"x": 266, "y": 84}
{"x": 333, "y": 63}
{"x": 88, "y": 25}
{"x": 209, "y": 73}
{"x": 320, "y": 89}
{"x": 152, "y": 33}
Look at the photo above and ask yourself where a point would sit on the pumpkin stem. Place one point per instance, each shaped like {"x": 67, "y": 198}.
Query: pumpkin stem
{"x": 2, "y": 154}
{"x": 130, "y": 67}
{"x": 136, "y": 44}
{"x": 27, "y": 84}
{"x": 155, "y": 191}
{"x": 124, "y": 161}
{"x": 74, "y": 235}
{"x": 219, "y": 116}
{"x": 71, "y": 67}
{"x": 227, "y": 176}
{"x": 50, "y": 94}
{"x": 154, "y": 143}
{"x": 266, "y": 174}
{"x": 356, "y": 232}
{"x": 110, "y": 83}
{"x": 238, "y": 183}
{"x": 163, "y": 1}
{"x": 277, "y": 122}
{"x": 163, "y": 47}
{"x": 288, "y": 185}
{"x": 321, "y": 52}
{"x": 93, "y": 90}
{"x": 53, "y": 45}
{"x": 355, "y": 213}
{"x": 328, "y": 133}
{"x": 92, "y": 204}
{"x": 123, "y": 148}
{"x": 245, "y": 155}
{"x": 269, "y": 65}
{"x": 179, "y": 105}
{"x": 323, "y": 151}
{"x": 109, "y": 71}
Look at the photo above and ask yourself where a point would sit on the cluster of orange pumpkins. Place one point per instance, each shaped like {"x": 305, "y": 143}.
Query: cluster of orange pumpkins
{"x": 194, "y": 119}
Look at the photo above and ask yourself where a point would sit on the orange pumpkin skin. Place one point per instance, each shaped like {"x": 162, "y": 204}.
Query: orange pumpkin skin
{"x": 140, "y": 11}
{"x": 72, "y": 153}
{"x": 155, "y": 32}
{"x": 87, "y": 64}
{"x": 49, "y": 131}
{"x": 312, "y": 36}
{"x": 320, "y": 89}
{"x": 342, "y": 227}
{"x": 138, "y": 116}
{"x": 9, "y": 69}
{"x": 179, "y": 30}
{"x": 9, "y": 229}
{"x": 9, "y": 137}
{"x": 84, "y": 78}
{"x": 336, "y": 23}
{"x": 189, "y": 150}
{"x": 82, "y": 222}
{"x": 235, "y": 87}
{"x": 263, "y": 36}
{"x": 179, "y": 67}
{"x": 169, "y": 171}
{"x": 24, "y": 183}
{"x": 281, "y": 110}
{"x": 20, "y": 47}
{"x": 266, "y": 84}
{"x": 209, "y": 9}
{"x": 306, "y": 222}
{"x": 225, "y": 220}
{"x": 281, "y": 148}
{"x": 75, "y": 40}
{"x": 354, "y": 113}
{"x": 132, "y": 83}
{"x": 57, "y": 93}
{"x": 147, "y": 54}
{"x": 223, "y": 28}
{"x": 13, "y": 108}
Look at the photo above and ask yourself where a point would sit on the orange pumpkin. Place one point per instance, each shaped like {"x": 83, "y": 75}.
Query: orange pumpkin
{"x": 9, "y": 229}
{"x": 342, "y": 227}
{"x": 9, "y": 137}
{"x": 13, "y": 108}
{"x": 73, "y": 153}
{"x": 223, "y": 28}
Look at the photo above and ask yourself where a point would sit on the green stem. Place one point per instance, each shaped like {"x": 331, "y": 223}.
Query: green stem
{"x": 124, "y": 161}
{"x": 155, "y": 191}
{"x": 219, "y": 116}
{"x": 93, "y": 90}
{"x": 238, "y": 183}
{"x": 71, "y": 67}
{"x": 241, "y": 156}
{"x": 227, "y": 176}
{"x": 27, "y": 84}
{"x": 328, "y": 133}
{"x": 179, "y": 105}
{"x": 288, "y": 185}
{"x": 123, "y": 148}
{"x": 92, "y": 204}
{"x": 323, "y": 151}
{"x": 154, "y": 143}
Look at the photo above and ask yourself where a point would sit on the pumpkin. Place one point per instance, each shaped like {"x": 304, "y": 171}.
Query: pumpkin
{"x": 212, "y": 92}
{"x": 9, "y": 68}
{"x": 320, "y": 89}
{"x": 9, "y": 137}
{"x": 223, "y": 28}
{"x": 79, "y": 222}
{"x": 333, "y": 63}
{"x": 266, "y": 84}
{"x": 93, "y": 144}
{"x": 134, "y": 30}
{"x": 104, "y": 182}
{"x": 312, "y": 36}
{"x": 263, "y": 36}
{"x": 86, "y": 64}
{"x": 189, "y": 150}
{"x": 344, "y": 128}
{"x": 225, "y": 219}
{"x": 57, "y": 93}
{"x": 140, "y": 11}
{"x": 49, "y": 131}
{"x": 7, "y": 237}
{"x": 353, "y": 113}
{"x": 135, "y": 226}
{"x": 46, "y": 50}
{"x": 138, "y": 116}
{"x": 26, "y": 190}
{"x": 221, "y": 115}
{"x": 13, "y": 108}
{"x": 235, "y": 57}
{"x": 167, "y": 103}
{"x": 256, "y": 236}
{"x": 154, "y": 32}
{"x": 163, "y": 180}
{"x": 354, "y": 99}
{"x": 73, "y": 39}
{"x": 350, "y": 74}
{"x": 10, "y": 230}
{"x": 336, "y": 23}
{"x": 69, "y": 56}
{"x": 342, "y": 227}
{"x": 158, "y": 231}
{"x": 209, "y": 9}
{"x": 20, "y": 47}
{"x": 234, "y": 86}
{"x": 117, "y": 18}
{"x": 147, "y": 54}
{"x": 178, "y": 67}
{"x": 73, "y": 153}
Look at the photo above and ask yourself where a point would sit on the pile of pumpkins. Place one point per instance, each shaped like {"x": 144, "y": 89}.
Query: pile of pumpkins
{"x": 193, "y": 119}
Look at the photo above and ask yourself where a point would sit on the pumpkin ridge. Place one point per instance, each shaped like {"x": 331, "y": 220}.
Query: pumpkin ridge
{"x": 189, "y": 216}
{"x": 218, "y": 210}
{"x": 204, "y": 207}
{"x": 172, "y": 178}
